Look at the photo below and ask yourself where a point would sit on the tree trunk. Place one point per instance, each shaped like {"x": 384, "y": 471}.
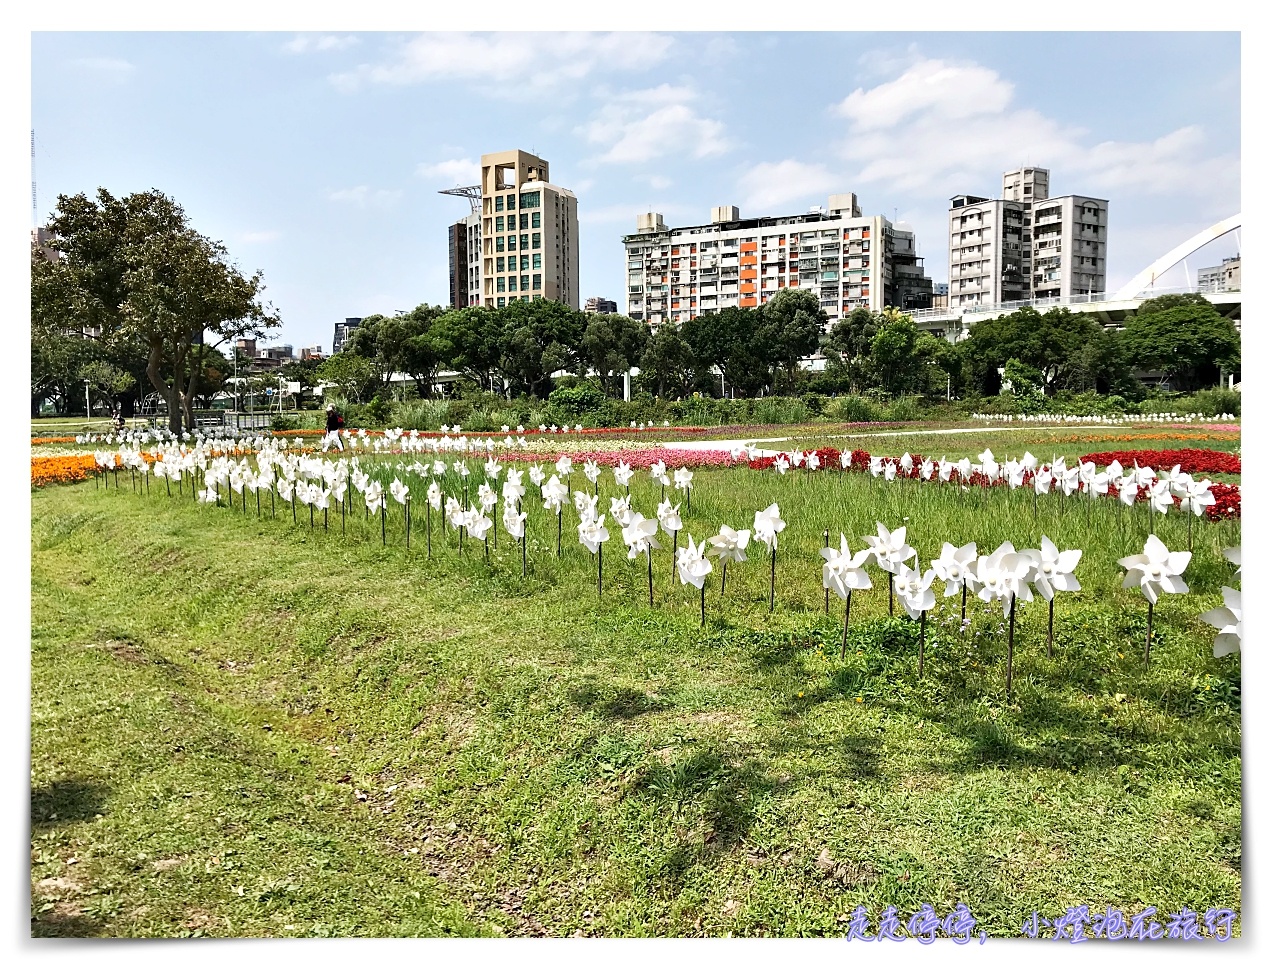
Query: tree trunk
{"x": 166, "y": 390}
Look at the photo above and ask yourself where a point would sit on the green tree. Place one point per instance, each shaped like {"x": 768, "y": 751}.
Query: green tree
{"x": 667, "y": 366}
{"x": 790, "y": 329}
{"x": 1022, "y": 379}
{"x": 537, "y": 339}
{"x": 1183, "y": 336}
{"x": 467, "y": 340}
{"x": 134, "y": 270}
{"x": 1047, "y": 341}
{"x": 894, "y": 356}
{"x": 107, "y": 379}
{"x": 302, "y": 372}
{"x": 612, "y": 343}
{"x": 352, "y": 374}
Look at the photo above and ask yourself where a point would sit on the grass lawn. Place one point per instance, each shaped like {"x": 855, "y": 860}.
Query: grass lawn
{"x": 244, "y": 727}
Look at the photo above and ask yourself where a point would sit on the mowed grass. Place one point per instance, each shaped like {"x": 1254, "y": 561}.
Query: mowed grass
{"x": 245, "y": 727}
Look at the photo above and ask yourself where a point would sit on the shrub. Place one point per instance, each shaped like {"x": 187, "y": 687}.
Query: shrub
{"x": 572, "y": 402}
{"x": 855, "y": 409}
{"x": 1212, "y": 401}
{"x": 904, "y": 409}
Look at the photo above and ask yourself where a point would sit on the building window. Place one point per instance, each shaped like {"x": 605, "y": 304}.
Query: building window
{"x": 499, "y": 284}
{"x": 530, "y": 200}
{"x": 525, "y": 299}
{"x": 525, "y": 282}
{"x": 499, "y": 244}
{"x": 512, "y": 203}
{"x": 499, "y": 223}
{"x": 512, "y": 283}
{"x": 535, "y": 261}
{"x": 499, "y": 203}
{"x": 499, "y": 264}
{"x": 500, "y": 302}
{"x": 525, "y": 241}
{"x": 534, "y": 241}
{"x": 534, "y": 219}
{"x": 525, "y": 262}
{"x": 512, "y": 243}
{"x": 537, "y": 282}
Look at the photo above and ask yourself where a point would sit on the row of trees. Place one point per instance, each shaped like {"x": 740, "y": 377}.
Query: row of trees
{"x": 134, "y": 292}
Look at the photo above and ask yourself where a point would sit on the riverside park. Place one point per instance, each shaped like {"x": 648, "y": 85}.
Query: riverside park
{"x": 650, "y": 681}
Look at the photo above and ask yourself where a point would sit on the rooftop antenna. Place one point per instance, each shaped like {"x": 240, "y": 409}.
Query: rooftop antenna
{"x": 471, "y": 192}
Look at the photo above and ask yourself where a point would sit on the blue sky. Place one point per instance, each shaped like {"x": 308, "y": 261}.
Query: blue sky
{"x": 317, "y": 157}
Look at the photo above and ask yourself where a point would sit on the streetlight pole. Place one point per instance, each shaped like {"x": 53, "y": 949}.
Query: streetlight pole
{"x": 88, "y": 408}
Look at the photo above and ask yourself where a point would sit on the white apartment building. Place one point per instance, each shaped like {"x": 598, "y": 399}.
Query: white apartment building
{"x": 1026, "y": 245}
{"x": 845, "y": 258}
{"x": 529, "y": 233}
{"x": 1226, "y": 276}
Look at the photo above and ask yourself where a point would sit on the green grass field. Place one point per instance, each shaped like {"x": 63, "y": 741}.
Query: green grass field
{"x": 244, "y": 727}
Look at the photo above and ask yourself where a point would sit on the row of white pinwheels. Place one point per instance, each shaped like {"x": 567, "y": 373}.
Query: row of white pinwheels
{"x": 1158, "y": 417}
{"x": 1162, "y": 487}
{"x": 1003, "y": 576}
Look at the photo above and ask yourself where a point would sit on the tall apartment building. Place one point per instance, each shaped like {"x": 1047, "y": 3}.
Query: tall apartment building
{"x": 847, "y": 259}
{"x": 529, "y": 233}
{"x": 1226, "y": 276}
{"x": 342, "y": 332}
{"x": 464, "y": 261}
{"x": 1026, "y": 245}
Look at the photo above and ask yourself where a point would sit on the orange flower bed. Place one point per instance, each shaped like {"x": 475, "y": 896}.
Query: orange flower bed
{"x": 61, "y": 470}
{"x": 64, "y": 440}
{"x": 67, "y": 469}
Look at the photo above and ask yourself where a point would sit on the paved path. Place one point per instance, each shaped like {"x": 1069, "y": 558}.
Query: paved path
{"x": 731, "y": 444}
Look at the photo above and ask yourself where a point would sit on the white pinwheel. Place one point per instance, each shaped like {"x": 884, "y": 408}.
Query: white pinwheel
{"x": 1156, "y": 570}
{"x": 486, "y": 497}
{"x": 781, "y": 464}
{"x": 890, "y": 471}
{"x": 591, "y": 471}
{"x": 434, "y": 496}
{"x": 586, "y": 506}
{"x": 400, "y": 492}
{"x": 1004, "y": 577}
{"x": 843, "y": 572}
{"x": 623, "y": 474}
{"x": 536, "y": 475}
{"x": 812, "y": 461}
{"x": 593, "y": 532}
{"x": 729, "y": 545}
{"x": 374, "y": 496}
{"x": 1053, "y": 570}
{"x": 957, "y": 568}
{"x": 669, "y": 517}
{"x": 564, "y": 465}
{"x": 766, "y": 526}
{"x": 640, "y": 534}
{"x": 658, "y": 471}
{"x": 513, "y": 488}
{"x": 684, "y": 479}
{"x": 889, "y": 548}
{"x": 693, "y": 568}
{"x": 915, "y": 591}
{"x": 1227, "y": 619}
{"x": 846, "y": 459}
{"x": 477, "y": 524}
{"x": 493, "y": 468}
{"x": 454, "y": 512}
{"x": 554, "y": 493}
{"x": 989, "y": 467}
{"x": 1197, "y": 496}
{"x": 621, "y": 509}
{"x": 876, "y": 466}
{"x": 514, "y": 521}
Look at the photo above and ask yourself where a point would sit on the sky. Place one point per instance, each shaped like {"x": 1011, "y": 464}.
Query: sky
{"x": 317, "y": 157}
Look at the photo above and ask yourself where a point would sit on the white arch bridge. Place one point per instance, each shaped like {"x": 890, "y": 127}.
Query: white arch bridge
{"x": 1109, "y": 308}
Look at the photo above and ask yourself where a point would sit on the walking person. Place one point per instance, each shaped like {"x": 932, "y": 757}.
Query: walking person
{"x": 334, "y": 425}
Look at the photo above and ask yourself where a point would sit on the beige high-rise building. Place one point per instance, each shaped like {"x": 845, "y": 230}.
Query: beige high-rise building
{"x": 1027, "y": 245}
{"x": 530, "y": 233}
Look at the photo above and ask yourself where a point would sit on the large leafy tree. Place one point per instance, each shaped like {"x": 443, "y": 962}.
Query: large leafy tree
{"x": 351, "y": 374}
{"x": 133, "y": 270}
{"x": 896, "y": 354}
{"x": 1183, "y": 336}
{"x": 468, "y": 340}
{"x": 790, "y": 328}
{"x": 613, "y": 343}
{"x": 667, "y": 366}
{"x": 538, "y": 339}
{"x": 1045, "y": 341}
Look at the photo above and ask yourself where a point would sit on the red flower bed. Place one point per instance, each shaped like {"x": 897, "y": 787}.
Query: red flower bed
{"x": 1228, "y": 502}
{"x": 1194, "y": 461}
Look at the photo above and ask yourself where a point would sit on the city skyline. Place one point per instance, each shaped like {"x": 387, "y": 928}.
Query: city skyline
{"x": 335, "y": 198}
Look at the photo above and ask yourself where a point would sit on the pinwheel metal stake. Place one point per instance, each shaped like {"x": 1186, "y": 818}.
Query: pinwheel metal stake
{"x": 1012, "y": 629}
{"x": 702, "y": 605}
{"x": 844, "y": 634}
{"x": 428, "y": 529}
{"x": 599, "y": 547}
{"x": 382, "y": 523}
{"x": 923, "y": 621}
{"x": 649, "y": 570}
{"x": 293, "y": 506}
{"x": 523, "y": 554}
{"x": 1149, "y": 632}
{"x": 826, "y": 594}
{"x": 558, "y": 531}
{"x": 773, "y": 570}
{"x": 408, "y": 512}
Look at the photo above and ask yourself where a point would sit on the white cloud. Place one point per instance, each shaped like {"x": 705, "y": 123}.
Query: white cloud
{"x": 261, "y": 236}
{"x": 108, "y": 66}
{"x": 462, "y": 171}
{"x": 656, "y": 181}
{"x": 771, "y": 185}
{"x": 626, "y": 212}
{"x": 513, "y": 65}
{"x": 363, "y": 196}
{"x": 943, "y": 127}
{"x": 310, "y": 43}
{"x": 642, "y": 125}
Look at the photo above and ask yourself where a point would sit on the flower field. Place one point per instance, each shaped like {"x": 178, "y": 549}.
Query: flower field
{"x": 498, "y": 701}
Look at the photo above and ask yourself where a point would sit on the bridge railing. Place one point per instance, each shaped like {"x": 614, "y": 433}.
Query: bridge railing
{"x": 1077, "y": 300}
